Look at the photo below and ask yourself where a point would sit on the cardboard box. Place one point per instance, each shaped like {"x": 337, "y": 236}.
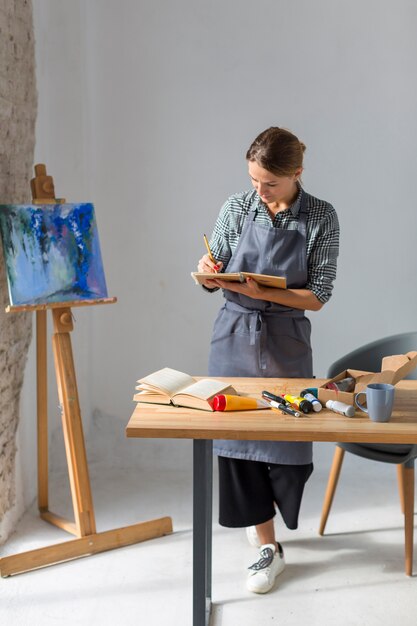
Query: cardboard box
{"x": 393, "y": 369}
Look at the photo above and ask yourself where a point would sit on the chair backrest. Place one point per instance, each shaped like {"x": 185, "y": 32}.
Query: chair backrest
{"x": 369, "y": 356}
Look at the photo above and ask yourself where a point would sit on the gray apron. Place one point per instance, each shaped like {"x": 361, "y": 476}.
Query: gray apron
{"x": 257, "y": 338}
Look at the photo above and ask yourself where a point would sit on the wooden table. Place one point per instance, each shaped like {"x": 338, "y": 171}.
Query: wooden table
{"x": 158, "y": 421}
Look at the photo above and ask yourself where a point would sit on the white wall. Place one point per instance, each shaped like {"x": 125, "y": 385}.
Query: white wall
{"x": 147, "y": 108}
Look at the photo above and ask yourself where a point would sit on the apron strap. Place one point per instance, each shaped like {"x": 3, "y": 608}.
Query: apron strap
{"x": 302, "y": 215}
{"x": 256, "y": 321}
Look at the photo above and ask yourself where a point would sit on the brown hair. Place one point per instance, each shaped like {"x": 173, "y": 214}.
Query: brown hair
{"x": 278, "y": 151}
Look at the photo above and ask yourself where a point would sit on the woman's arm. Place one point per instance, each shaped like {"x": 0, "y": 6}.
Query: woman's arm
{"x": 293, "y": 298}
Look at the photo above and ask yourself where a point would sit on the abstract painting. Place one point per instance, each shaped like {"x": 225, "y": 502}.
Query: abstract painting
{"x": 52, "y": 253}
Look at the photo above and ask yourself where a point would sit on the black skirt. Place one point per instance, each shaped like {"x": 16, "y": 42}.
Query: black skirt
{"x": 249, "y": 491}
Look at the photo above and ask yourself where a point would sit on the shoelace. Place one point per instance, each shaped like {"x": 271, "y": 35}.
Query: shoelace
{"x": 267, "y": 556}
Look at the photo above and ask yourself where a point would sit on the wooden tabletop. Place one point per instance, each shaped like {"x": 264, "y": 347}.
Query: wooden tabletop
{"x": 161, "y": 421}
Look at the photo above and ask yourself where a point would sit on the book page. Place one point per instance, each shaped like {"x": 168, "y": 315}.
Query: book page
{"x": 168, "y": 380}
{"x": 157, "y": 397}
{"x": 278, "y": 282}
{"x": 200, "y": 277}
{"x": 205, "y": 388}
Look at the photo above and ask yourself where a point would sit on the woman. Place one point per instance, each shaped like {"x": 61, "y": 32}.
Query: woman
{"x": 276, "y": 228}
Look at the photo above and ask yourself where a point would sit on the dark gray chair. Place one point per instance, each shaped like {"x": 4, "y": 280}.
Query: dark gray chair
{"x": 369, "y": 358}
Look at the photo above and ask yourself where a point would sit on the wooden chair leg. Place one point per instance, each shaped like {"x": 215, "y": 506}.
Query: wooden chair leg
{"x": 409, "y": 516}
{"x": 400, "y": 478}
{"x": 339, "y": 453}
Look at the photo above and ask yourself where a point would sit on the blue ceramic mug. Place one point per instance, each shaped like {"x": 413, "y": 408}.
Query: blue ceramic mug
{"x": 379, "y": 401}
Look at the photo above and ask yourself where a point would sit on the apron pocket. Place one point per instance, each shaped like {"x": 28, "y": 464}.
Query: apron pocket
{"x": 234, "y": 349}
{"x": 234, "y": 323}
{"x": 289, "y": 346}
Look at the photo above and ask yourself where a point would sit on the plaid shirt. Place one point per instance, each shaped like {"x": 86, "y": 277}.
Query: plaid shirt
{"x": 322, "y": 235}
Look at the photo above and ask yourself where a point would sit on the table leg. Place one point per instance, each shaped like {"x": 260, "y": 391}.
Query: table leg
{"x": 202, "y": 529}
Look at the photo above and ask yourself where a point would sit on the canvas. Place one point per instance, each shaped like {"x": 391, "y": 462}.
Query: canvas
{"x": 52, "y": 253}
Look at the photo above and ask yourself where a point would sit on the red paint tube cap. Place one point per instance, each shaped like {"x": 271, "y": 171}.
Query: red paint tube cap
{"x": 219, "y": 403}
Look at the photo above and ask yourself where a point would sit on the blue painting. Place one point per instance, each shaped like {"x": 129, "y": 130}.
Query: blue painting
{"x": 52, "y": 253}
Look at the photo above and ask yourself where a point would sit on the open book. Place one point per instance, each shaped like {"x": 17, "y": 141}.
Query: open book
{"x": 240, "y": 277}
{"x": 168, "y": 386}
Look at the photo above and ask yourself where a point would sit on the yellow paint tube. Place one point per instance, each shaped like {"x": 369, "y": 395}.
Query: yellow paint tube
{"x": 223, "y": 402}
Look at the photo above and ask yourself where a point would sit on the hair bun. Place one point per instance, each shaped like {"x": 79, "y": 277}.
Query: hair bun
{"x": 278, "y": 151}
{"x": 303, "y": 146}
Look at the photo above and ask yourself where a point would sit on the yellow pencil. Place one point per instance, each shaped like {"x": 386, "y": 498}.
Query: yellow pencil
{"x": 208, "y": 249}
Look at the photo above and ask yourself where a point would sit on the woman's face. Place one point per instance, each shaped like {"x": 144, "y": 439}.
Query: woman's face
{"x": 271, "y": 188}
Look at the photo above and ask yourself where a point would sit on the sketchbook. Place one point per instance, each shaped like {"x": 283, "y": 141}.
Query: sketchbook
{"x": 279, "y": 282}
{"x": 169, "y": 386}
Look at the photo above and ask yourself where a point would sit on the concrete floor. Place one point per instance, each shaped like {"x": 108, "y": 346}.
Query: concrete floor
{"x": 353, "y": 576}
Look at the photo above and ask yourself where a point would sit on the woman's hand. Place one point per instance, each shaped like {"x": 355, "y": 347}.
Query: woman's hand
{"x": 249, "y": 288}
{"x": 205, "y": 264}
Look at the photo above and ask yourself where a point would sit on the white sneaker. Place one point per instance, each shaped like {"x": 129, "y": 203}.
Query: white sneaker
{"x": 252, "y": 536}
{"x": 262, "y": 575}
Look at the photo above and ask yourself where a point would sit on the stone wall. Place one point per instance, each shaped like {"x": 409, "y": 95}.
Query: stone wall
{"x": 18, "y": 103}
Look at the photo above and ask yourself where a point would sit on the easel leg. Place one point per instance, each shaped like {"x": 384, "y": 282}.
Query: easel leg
{"x": 42, "y": 409}
{"x": 85, "y": 546}
{"x": 42, "y": 427}
{"x": 72, "y": 425}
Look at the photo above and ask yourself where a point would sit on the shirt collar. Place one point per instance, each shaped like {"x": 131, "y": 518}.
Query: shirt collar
{"x": 294, "y": 207}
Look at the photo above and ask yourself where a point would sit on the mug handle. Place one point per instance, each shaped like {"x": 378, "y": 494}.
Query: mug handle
{"x": 358, "y": 404}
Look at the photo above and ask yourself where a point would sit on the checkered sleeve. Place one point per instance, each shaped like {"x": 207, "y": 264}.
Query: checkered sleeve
{"x": 219, "y": 240}
{"x": 322, "y": 257}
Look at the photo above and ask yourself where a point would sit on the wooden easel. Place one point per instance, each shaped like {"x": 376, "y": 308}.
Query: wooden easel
{"x": 88, "y": 541}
